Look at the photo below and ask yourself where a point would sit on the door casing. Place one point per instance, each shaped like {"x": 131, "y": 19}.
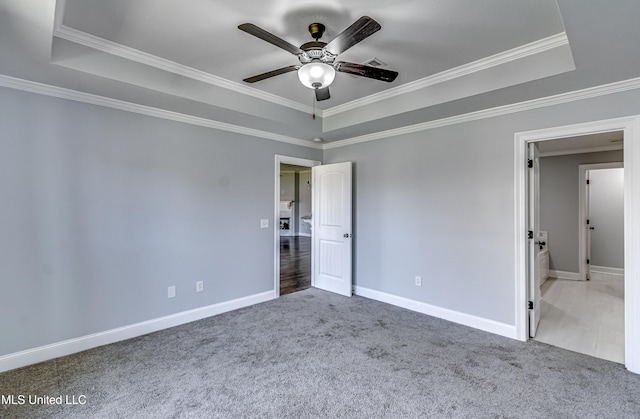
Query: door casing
{"x": 631, "y": 131}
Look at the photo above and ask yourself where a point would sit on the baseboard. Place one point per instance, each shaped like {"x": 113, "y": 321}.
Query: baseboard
{"x": 574, "y": 276}
{"x": 607, "y": 270}
{"x": 71, "y": 346}
{"x": 491, "y": 326}
{"x": 604, "y": 273}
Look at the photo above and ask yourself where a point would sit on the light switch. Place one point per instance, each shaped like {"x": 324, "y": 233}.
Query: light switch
{"x": 264, "y": 223}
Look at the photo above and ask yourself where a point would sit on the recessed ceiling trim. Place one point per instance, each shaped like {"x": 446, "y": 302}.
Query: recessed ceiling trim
{"x": 501, "y": 58}
{"x": 591, "y": 92}
{"x": 63, "y": 93}
{"x": 113, "y": 48}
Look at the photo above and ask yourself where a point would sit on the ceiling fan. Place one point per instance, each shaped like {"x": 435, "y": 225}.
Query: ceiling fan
{"x": 318, "y": 65}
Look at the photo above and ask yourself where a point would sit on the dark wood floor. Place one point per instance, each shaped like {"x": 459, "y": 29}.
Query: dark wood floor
{"x": 295, "y": 264}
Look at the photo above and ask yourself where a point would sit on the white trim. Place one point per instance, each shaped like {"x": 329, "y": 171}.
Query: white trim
{"x": 487, "y": 325}
{"x": 573, "y": 276}
{"x": 276, "y": 213}
{"x": 119, "y": 50}
{"x": 71, "y": 346}
{"x": 518, "y": 53}
{"x": 583, "y": 150}
{"x": 583, "y": 211}
{"x": 631, "y": 127}
{"x": 591, "y": 92}
{"x": 603, "y": 273}
{"x": 632, "y": 244}
{"x": 62, "y": 93}
{"x": 607, "y": 270}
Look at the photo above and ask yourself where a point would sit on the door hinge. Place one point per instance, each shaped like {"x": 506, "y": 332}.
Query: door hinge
{"x": 530, "y": 163}
{"x": 588, "y": 222}
{"x": 588, "y": 182}
{"x": 530, "y": 305}
{"x": 588, "y": 261}
{"x": 530, "y": 234}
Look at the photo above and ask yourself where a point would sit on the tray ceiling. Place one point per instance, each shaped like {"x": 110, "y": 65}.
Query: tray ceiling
{"x": 444, "y": 51}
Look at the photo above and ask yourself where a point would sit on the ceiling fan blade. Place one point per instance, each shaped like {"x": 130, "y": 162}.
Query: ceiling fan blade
{"x": 322, "y": 94}
{"x": 358, "y": 31}
{"x": 366, "y": 71}
{"x": 271, "y": 73}
{"x": 256, "y": 31}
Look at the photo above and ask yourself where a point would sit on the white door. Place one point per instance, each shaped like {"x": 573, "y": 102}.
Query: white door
{"x": 332, "y": 234}
{"x": 533, "y": 174}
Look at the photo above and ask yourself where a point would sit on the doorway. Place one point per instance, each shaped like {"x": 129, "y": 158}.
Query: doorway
{"x": 292, "y": 232}
{"x": 630, "y": 126}
{"x": 581, "y": 312}
{"x": 295, "y": 228}
{"x": 331, "y": 224}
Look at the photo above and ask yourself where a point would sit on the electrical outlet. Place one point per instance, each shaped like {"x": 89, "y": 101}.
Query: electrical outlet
{"x": 171, "y": 291}
{"x": 418, "y": 281}
{"x": 264, "y": 223}
{"x": 199, "y": 286}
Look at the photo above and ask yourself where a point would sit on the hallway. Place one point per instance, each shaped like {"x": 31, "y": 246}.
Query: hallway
{"x": 295, "y": 263}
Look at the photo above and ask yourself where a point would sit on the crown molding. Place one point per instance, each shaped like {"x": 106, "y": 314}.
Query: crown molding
{"x": 561, "y": 98}
{"x": 501, "y": 58}
{"x": 119, "y": 50}
{"x": 63, "y": 93}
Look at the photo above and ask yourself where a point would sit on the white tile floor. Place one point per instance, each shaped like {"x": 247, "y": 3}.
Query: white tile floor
{"x": 584, "y": 316}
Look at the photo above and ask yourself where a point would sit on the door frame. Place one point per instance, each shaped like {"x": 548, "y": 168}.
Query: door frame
{"x": 631, "y": 128}
{"x": 583, "y": 212}
{"x": 276, "y": 213}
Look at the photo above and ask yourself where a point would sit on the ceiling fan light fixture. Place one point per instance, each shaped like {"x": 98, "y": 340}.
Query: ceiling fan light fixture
{"x": 316, "y": 75}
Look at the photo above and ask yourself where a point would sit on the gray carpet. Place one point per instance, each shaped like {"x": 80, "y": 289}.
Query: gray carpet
{"x": 314, "y": 354}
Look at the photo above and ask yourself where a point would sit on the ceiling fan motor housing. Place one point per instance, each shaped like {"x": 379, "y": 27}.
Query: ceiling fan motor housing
{"x": 316, "y": 30}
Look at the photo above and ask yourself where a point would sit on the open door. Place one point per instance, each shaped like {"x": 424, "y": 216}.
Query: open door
{"x": 535, "y": 297}
{"x": 331, "y": 246}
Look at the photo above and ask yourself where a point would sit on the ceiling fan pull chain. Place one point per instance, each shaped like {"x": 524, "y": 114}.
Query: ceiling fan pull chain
{"x": 314, "y": 108}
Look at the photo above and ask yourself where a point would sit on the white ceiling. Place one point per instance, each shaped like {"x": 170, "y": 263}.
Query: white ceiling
{"x": 605, "y": 141}
{"x": 188, "y": 58}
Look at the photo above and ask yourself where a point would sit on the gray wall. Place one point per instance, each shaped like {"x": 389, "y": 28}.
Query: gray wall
{"x": 440, "y": 203}
{"x": 607, "y": 217}
{"x": 560, "y": 204}
{"x": 102, "y": 210}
